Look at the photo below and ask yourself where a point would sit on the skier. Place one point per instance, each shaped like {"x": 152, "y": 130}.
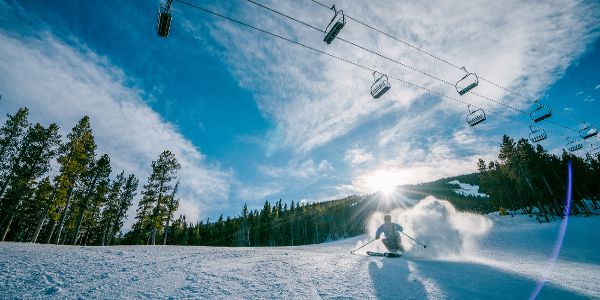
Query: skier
{"x": 392, "y": 234}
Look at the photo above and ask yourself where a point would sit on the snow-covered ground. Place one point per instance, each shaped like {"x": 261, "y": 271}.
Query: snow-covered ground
{"x": 506, "y": 263}
{"x": 467, "y": 189}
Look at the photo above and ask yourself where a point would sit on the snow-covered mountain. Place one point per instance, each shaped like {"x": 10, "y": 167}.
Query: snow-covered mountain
{"x": 467, "y": 257}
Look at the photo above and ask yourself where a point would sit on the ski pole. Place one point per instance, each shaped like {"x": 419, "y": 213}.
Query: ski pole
{"x": 362, "y": 246}
{"x": 424, "y": 246}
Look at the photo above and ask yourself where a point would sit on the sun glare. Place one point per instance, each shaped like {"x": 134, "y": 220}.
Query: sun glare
{"x": 382, "y": 181}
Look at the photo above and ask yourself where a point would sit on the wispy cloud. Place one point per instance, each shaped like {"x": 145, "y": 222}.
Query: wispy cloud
{"x": 61, "y": 83}
{"x": 253, "y": 193}
{"x": 298, "y": 169}
{"x": 318, "y": 102}
{"x": 326, "y": 125}
{"x": 358, "y": 156}
{"x": 317, "y": 99}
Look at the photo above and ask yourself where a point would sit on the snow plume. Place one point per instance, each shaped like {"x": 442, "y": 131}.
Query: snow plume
{"x": 437, "y": 224}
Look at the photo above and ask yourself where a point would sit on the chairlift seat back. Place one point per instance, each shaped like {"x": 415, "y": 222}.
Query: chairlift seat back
{"x": 380, "y": 87}
{"x": 588, "y": 132}
{"x": 467, "y": 83}
{"x": 538, "y": 136}
{"x": 540, "y": 113}
{"x": 574, "y": 146}
{"x": 335, "y": 26}
{"x": 476, "y": 117}
{"x": 163, "y": 24}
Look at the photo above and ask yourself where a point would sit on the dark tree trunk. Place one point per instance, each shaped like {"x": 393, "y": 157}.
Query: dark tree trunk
{"x": 63, "y": 218}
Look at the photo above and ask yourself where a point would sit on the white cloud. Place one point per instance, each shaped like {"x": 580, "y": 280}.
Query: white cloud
{"x": 324, "y": 166}
{"x": 298, "y": 169}
{"x": 597, "y": 87}
{"x": 316, "y": 99}
{"x": 358, "y": 156}
{"x": 252, "y": 193}
{"x": 317, "y": 102}
{"x": 61, "y": 84}
{"x": 464, "y": 137}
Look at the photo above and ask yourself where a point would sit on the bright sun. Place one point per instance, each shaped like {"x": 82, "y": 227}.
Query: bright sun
{"x": 382, "y": 181}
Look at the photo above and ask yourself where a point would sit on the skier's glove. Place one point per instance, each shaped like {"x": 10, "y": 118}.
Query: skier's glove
{"x": 377, "y": 237}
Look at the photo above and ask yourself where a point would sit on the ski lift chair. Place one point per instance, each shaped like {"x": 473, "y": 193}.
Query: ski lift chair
{"x": 476, "y": 116}
{"x": 380, "y": 86}
{"x": 335, "y": 26}
{"x": 588, "y": 131}
{"x": 540, "y": 113}
{"x": 163, "y": 24}
{"x": 574, "y": 145}
{"x": 467, "y": 82}
{"x": 537, "y": 134}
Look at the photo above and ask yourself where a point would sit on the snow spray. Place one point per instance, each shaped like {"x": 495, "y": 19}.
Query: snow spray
{"x": 446, "y": 232}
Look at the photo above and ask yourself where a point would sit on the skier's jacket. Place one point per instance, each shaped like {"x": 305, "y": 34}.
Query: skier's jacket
{"x": 391, "y": 231}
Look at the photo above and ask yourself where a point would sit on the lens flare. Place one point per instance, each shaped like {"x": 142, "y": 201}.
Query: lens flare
{"x": 559, "y": 239}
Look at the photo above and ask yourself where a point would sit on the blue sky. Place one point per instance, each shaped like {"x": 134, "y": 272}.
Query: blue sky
{"x": 253, "y": 118}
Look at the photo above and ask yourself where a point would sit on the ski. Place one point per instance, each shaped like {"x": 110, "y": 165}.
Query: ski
{"x": 385, "y": 254}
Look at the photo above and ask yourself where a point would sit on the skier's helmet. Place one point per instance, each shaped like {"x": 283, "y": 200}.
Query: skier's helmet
{"x": 387, "y": 219}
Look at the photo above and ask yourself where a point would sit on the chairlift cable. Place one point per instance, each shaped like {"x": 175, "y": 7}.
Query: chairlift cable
{"x": 393, "y": 37}
{"x": 319, "y": 51}
{"x": 400, "y": 63}
{"x": 287, "y": 16}
{"x": 527, "y": 124}
{"x": 554, "y": 110}
{"x": 337, "y": 57}
{"x": 353, "y": 44}
{"x": 448, "y": 63}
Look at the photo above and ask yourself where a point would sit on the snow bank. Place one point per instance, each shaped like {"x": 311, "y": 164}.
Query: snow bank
{"x": 436, "y": 223}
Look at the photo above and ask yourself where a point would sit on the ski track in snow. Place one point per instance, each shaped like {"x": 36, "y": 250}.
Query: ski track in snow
{"x": 504, "y": 265}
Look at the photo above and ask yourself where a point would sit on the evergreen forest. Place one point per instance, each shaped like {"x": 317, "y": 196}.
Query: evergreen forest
{"x": 59, "y": 190}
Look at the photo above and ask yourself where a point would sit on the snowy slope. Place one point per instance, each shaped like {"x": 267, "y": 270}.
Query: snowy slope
{"x": 505, "y": 264}
{"x": 467, "y": 189}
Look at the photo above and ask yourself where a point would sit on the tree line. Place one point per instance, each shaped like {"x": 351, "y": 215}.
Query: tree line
{"x": 60, "y": 191}
{"x": 276, "y": 224}
{"x": 527, "y": 177}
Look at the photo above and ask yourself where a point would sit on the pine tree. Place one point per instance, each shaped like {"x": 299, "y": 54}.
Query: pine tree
{"x": 40, "y": 207}
{"x": 125, "y": 198}
{"x": 11, "y": 134}
{"x": 95, "y": 177}
{"x": 36, "y": 150}
{"x": 76, "y": 157}
{"x": 265, "y": 225}
{"x": 152, "y": 208}
{"x": 111, "y": 206}
{"x": 244, "y": 235}
{"x": 172, "y": 204}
